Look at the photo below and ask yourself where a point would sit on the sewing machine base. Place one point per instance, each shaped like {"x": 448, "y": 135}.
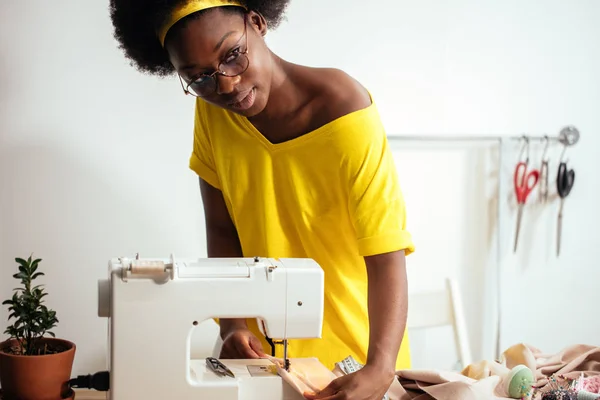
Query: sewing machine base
{"x": 258, "y": 379}
{"x": 255, "y": 379}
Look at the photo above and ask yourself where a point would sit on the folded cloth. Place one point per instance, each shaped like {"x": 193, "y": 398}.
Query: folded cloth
{"x": 569, "y": 363}
{"x": 442, "y": 385}
{"x": 483, "y": 380}
{"x": 478, "y": 381}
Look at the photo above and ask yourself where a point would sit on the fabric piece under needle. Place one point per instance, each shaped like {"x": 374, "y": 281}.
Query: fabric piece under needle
{"x": 304, "y": 377}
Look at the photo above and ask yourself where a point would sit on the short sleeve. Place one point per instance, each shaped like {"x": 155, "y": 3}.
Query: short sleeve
{"x": 202, "y": 158}
{"x": 376, "y": 203}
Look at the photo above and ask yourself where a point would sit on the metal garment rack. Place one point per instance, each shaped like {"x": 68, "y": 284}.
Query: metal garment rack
{"x": 472, "y": 138}
{"x": 499, "y": 140}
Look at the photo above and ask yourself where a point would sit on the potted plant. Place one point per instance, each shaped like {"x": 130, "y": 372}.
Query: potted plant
{"x": 34, "y": 364}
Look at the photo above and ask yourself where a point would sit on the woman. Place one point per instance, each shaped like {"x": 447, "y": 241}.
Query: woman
{"x": 293, "y": 162}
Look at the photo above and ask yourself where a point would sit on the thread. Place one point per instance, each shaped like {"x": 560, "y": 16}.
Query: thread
{"x": 147, "y": 267}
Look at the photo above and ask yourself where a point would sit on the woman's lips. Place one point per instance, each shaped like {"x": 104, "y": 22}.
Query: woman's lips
{"x": 246, "y": 102}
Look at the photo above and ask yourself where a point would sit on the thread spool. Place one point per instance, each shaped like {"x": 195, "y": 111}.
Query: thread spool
{"x": 147, "y": 267}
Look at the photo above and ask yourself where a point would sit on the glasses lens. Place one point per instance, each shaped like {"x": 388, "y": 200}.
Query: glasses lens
{"x": 236, "y": 66}
{"x": 208, "y": 84}
{"x": 204, "y": 86}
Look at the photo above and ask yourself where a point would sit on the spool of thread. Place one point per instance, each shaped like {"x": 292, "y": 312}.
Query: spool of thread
{"x": 147, "y": 267}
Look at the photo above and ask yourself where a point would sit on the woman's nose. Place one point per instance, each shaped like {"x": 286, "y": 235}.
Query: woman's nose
{"x": 226, "y": 84}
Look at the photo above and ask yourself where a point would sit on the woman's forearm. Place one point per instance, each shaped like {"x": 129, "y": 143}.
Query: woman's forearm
{"x": 387, "y": 305}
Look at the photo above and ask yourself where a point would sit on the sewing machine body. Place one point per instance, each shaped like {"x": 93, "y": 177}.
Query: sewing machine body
{"x": 153, "y": 306}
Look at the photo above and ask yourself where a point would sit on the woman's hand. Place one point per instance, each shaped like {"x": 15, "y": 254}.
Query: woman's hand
{"x": 368, "y": 383}
{"x": 241, "y": 343}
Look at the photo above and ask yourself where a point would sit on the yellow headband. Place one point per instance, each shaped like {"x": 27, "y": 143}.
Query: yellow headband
{"x": 190, "y": 8}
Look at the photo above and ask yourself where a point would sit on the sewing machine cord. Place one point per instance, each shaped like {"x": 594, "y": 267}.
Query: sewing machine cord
{"x": 99, "y": 381}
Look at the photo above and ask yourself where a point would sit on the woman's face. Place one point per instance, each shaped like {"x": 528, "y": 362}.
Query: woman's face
{"x": 227, "y": 42}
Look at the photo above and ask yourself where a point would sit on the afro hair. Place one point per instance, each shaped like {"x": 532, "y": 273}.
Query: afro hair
{"x": 135, "y": 23}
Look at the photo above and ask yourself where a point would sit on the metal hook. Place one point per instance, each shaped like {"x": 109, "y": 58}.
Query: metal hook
{"x": 547, "y": 140}
{"x": 525, "y": 146}
{"x": 543, "y": 191}
{"x": 562, "y": 154}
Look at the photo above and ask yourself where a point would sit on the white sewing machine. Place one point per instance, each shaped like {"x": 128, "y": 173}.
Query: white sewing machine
{"x": 153, "y": 305}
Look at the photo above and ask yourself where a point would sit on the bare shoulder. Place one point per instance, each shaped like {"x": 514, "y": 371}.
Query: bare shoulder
{"x": 339, "y": 94}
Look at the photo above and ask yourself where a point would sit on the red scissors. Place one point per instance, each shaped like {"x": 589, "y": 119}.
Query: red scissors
{"x": 524, "y": 184}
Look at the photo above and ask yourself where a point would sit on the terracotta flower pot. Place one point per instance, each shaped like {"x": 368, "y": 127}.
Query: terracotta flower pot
{"x": 43, "y": 377}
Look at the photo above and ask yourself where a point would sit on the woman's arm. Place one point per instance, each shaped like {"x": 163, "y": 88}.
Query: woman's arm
{"x": 221, "y": 237}
{"x": 387, "y": 305}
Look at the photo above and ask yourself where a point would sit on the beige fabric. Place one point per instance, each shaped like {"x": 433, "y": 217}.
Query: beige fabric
{"x": 483, "y": 380}
{"x": 443, "y": 385}
{"x": 306, "y": 375}
{"x": 478, "y": 381}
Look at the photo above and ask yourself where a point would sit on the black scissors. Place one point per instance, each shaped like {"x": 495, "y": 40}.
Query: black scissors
{"x": 564, "y": 183}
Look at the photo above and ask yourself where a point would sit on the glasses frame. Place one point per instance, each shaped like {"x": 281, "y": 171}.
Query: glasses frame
{"x": 218, "y": 71}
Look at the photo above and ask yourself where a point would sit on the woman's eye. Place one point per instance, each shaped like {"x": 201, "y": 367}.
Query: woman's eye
{"x": 233, "y": 55}
{"x": 200, "y": 80}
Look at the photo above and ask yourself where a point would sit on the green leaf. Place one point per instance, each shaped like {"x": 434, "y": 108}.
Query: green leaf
{"x": 20, "y": 275}
{"x": 36, "y": 275}
{"x": 22, "y": 262}
{"x": 30, "y": 318}
{"x": 34, "y": 265}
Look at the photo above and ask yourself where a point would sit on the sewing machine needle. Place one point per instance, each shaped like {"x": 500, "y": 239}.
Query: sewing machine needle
{"x": 286, "y": 362}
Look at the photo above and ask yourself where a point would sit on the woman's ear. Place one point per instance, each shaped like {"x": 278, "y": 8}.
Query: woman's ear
{"x": 259, "y": 23}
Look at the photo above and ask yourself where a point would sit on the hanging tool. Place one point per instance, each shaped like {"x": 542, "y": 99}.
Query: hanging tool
{"x": 543, "y": 190}
{"x": 565, "y": 178}
{"x": 524, "y": 183}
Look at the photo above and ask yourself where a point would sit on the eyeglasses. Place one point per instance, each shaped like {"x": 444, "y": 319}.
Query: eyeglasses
{"x": 235, "y": 63}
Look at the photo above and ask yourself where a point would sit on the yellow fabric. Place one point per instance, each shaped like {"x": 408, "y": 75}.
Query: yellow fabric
{"x": 331, "y": 195}
{"x": 189, "y": 8}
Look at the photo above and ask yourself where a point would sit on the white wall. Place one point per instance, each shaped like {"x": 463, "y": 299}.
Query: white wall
{"x": 94, "y": 156}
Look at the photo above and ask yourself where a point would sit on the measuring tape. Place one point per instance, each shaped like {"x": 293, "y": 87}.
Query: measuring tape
{"x": 349, "y": 365}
